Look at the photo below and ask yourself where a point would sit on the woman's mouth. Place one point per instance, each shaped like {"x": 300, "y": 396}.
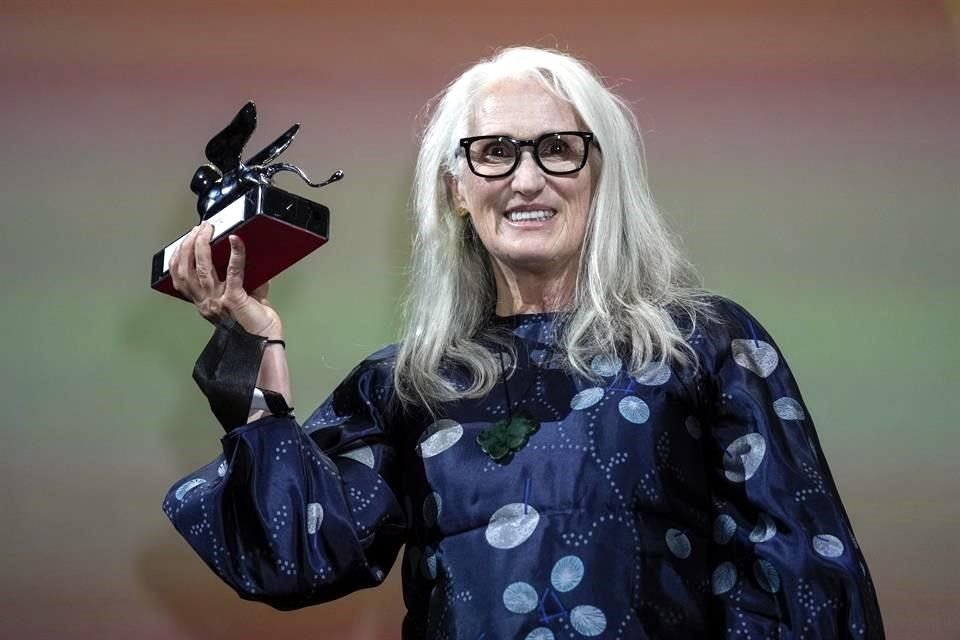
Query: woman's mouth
{"x": 538, "y": 215}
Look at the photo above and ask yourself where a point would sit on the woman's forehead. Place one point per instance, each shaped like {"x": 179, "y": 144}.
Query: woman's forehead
{"x": 521, "y": 109}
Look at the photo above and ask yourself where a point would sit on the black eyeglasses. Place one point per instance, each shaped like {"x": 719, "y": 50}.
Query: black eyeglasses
{"x": 557, "y": 153}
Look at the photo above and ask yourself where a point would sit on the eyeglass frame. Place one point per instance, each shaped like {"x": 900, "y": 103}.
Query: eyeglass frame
{"x": 587, "y": 137}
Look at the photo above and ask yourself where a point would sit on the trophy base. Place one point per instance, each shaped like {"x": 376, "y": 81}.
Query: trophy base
{"x": 277, "y": 227}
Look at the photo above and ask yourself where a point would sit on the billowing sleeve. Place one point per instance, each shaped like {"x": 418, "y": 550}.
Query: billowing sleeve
{"x": 784, "y": 560}
{"x": 293, "y": 515}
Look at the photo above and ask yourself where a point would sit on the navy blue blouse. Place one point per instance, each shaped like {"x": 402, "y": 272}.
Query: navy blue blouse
{"x": 684, "y": 502}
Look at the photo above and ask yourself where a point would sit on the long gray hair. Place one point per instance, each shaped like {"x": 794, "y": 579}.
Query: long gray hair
{"x": 632, "y": 281}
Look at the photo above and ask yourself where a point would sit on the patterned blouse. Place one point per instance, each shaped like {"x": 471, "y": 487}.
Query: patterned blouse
{"x": 682, "y": 502}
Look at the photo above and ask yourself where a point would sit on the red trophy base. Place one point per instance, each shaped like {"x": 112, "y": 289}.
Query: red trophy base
{"x": 277, "y": 227}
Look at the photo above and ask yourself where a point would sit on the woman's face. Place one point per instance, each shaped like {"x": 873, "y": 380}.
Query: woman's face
{"x": 524, "y": 110}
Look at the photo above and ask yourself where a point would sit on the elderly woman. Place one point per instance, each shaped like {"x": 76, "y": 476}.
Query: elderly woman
{"x": 570, "y": 438}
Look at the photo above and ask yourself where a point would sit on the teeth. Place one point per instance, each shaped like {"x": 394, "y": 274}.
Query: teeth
{"x": 517, "y": 216}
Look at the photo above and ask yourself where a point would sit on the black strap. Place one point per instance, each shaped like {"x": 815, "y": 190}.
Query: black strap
{"x": 276, "y": 403}
{"x": 227, "y": 371}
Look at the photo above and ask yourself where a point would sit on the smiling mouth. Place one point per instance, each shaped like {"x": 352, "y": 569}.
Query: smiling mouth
{"x": 531, "y": 216}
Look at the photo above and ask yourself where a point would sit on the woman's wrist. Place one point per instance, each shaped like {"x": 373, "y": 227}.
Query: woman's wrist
{"x": 274, "y": 374}
{"x": 273, "y": 331}
{"x": 265, "y": 322}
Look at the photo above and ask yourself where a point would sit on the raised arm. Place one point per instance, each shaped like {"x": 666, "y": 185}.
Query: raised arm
{"x": 285, "y": 515}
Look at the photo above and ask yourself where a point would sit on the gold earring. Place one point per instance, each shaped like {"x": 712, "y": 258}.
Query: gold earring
{"x": 462, "y": 212}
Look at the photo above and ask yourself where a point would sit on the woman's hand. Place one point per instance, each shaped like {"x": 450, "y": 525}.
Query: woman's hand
{"x": 194, "y": 275}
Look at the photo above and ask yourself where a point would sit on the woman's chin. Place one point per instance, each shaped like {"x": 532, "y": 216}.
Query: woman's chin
{"x": 535, "y": 261}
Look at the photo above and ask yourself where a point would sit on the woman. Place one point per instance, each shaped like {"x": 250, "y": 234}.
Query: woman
{"x": 570, "y": 438}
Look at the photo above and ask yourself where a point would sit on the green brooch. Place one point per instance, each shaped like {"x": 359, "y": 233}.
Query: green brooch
{"x": 507, "y": 436}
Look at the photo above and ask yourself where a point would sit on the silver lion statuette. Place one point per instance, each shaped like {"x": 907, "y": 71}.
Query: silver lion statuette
{"x": 227, "y": 177}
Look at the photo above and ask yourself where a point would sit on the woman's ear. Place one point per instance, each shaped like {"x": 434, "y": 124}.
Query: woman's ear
{"x": 454, "y": 193}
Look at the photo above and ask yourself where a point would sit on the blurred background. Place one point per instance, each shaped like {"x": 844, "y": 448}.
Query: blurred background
{"x": 807, "y": 153}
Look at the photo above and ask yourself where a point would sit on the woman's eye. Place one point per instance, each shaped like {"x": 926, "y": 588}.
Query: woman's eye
{"x": 554, "y": 148}
{"x": 496, "y": 150}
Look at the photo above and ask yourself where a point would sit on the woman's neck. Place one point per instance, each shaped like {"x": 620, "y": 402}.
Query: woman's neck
{"x": 524, "y": 292}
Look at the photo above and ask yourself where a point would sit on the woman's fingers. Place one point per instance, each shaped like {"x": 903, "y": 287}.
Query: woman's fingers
{"x": 172, "y": 268}
{"x": 195, "y": 276}
{"x": 182, "y": 266}
{"x": 206, "y": 273}
{"x": 206, "y": 281}
{"x": 235, "y": 267}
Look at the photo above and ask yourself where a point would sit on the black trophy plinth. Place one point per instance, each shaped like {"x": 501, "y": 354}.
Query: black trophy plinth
{"x": 277, "y": 227}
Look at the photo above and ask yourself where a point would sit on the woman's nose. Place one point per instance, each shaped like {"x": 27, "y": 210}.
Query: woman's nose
{"x": 528, "y": 176}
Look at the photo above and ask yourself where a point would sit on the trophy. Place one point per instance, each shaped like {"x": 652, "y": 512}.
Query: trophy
{"x": 239, "y": 198}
